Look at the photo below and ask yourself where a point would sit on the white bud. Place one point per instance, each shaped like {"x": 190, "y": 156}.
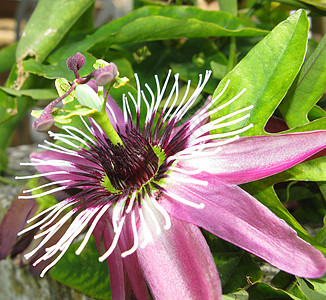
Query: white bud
{"x": 88, "y": 97}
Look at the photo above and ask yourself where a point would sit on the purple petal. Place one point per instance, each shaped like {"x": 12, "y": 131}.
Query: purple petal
{"x": 13, "y": 222}
{"x": 179, "y": 265}
{"x": 237, "y": 217}
{"x": 115, "y": 114}
{"x": 256, "y": 157}
{"x": 51, "y": 155}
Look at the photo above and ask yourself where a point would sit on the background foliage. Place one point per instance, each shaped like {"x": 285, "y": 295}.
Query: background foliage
{"x": 284, "y": 74}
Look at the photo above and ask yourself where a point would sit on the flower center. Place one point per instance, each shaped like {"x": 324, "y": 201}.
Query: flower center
{"x": 131, "y": 166}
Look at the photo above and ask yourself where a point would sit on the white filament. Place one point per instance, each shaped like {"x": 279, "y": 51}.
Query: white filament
{"x": 92, "y": 227}
{"x": 114, "y": 242}
{"x": 135, "y": 235}
{"x": 46, "y": 185}
{"x": 184, "y": 201}
{"x": 163, "y": 212}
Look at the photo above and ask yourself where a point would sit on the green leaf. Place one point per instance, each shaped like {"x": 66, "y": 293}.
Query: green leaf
{"x": 263, "y": 290}
{"x": 229, "y": 6}
{"x": 235, "y": 265}
{"x": 50, "y": 21}
{"x": 7, "y": 57}
{"x": 240, "y": 295}
{"x": 307, "y": 89}
{"x": 37, "y": 94}
{"x": 321, "y": 234}
{"x": 310, "y": 289}
{"x": 83, "y": 272}
{"x": 157, "y": 23}
{"x": 317, "y": 3}
{"x": 59, "y": 68}
{"x": 265, "y": 73}
{"x": 316, "y": 112}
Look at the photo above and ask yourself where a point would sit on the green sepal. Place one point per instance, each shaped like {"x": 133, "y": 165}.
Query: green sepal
{"x": 64, "y": 116}
{"x": 62, "y": 85}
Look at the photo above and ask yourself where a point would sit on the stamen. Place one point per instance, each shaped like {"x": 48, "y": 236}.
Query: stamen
{"x": 209, "y": 126}
{"x": 159, "y": 92}
{"x": 92, "y": 227}
{"x": 51, "y": 232}
{"x": 189, "y": 180}
{"x": 42, "y": 175}
{"x": 176, "y": 88}
{"x": 117, "y": 212}
{"x": 153, "y": 99}
{"x": 206, "y": 108}
{"x": 211, "y": 144}
{"x": 46, "y": 185}
{"x": 60, "y": 188}
{"x": 189, "y": 102}
{"x": 135, "y": 235}
{"x": 184, "y": 201}
{"x": 147, "y": 107}
{"x": 69, "y": 128}
{"x": 114, "y": 242}
{"x": 131, "y": 202}
{"x": 61, "y": 137}
{"x": 53, "y": 208}
{"x": 138, "y": 93}
{"x": 213, "y": 111}
{"x": 146, "y": 232}
{"x": 197, "y": 154}
{"x": 222, "y": 135}
{"x": 112, "y": 112}
{"x": 183, "y": 171}
{"x": 194, "y": 96}
{"x": 48, "y": 267}
{"x": 50, "y": 162}
{"x": 58, "y": 149}
{"x": 182, "y": 101}
{"x": 166, "y": 216}
{"x": 134, "y": 101}
{"x": 54, "y": 214}
{"x": 90, "y": 130}
{"x": 152, "y": 215}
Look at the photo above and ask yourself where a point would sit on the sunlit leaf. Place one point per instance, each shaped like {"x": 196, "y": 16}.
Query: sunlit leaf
{"x": 50, "y": 21}
{"x": 265, "y": 74}
{"x": 307, "y": 89}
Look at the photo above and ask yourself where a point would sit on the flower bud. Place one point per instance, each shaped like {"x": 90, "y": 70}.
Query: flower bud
{"x": 44, "y": 122}
{"x": 76, "y": 62}
{"x": 88, "y": 97}
{"x": 105, "y": 75}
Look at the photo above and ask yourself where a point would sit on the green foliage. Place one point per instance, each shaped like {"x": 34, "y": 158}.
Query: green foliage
{"x": 265, "y": 74}
{"x": 84, "y": 272}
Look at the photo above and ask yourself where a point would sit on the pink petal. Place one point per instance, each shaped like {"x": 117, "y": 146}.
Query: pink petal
{"x": 179, "y": 265}
{"x": 104, "y": 230}
{"x": 237, "y": 217}
{"x": 131, "y": 263}
{"x": 256, "y": 157}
